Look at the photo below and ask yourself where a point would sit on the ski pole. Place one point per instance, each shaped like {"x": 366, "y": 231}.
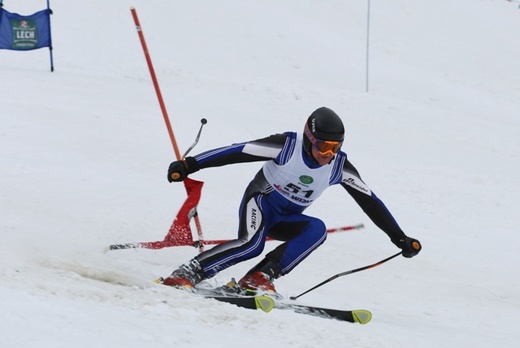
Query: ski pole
{"x": 346, "y": 273}
{"x": 203, "y": 121}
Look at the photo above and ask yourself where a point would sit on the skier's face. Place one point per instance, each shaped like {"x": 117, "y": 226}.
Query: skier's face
{"x": 321, "y": 158}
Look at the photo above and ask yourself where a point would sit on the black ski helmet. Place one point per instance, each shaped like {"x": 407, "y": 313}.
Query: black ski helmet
{"x": 323, "y": 124}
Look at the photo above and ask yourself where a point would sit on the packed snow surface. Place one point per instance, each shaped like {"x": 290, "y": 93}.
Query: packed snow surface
{"x": 84, "y": 152}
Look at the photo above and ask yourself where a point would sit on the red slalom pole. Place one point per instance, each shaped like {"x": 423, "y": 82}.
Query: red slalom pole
{"x": 161, "y": 102}
{"x": 167, "y": 242}
{"x": 330, "y": 230}
{"x": 155, "y": 83}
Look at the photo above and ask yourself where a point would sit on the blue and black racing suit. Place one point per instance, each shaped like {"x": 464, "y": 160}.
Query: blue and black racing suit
{"x": 274, "y": 202}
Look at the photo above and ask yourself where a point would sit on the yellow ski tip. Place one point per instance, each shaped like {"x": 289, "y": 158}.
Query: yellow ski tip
{"x": 264, "y": 303}
{"x": 361, "y": 316}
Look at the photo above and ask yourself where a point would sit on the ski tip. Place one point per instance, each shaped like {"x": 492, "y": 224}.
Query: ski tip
{"x": 361, "y": 316}
{"x": 264, "y": 303}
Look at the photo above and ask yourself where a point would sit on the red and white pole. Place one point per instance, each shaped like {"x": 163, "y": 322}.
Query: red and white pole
{"x": 163, "y": 107}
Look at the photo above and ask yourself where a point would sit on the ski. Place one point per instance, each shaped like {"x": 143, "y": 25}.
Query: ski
{"x": 261, "y": 302}
{"x": 266, "y": 303}
{"x": 361, "y": 316}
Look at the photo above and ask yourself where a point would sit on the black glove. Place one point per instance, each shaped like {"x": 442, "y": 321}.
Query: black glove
{"x": 179, "y": 170}
{"x": 410, "y": 246}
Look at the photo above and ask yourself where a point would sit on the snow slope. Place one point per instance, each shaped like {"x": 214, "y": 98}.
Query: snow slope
{"x": 84, "y": 153}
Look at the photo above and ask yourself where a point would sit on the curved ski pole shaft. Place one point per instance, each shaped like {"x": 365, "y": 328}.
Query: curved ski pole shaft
{"x": 202, "y": 123}
{"x": 346, "y": 273}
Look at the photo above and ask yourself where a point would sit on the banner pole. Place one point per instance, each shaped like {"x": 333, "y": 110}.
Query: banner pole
{"x": 50, "y": 37}
{"x": 162, "y": 105}
{"x": 368, "y": 44}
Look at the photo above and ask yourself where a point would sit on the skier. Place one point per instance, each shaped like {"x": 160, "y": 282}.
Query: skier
{"x": 298, "y": 168}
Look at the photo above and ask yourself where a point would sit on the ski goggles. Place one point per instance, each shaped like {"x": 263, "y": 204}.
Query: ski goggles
{"x": 324, "y": 147}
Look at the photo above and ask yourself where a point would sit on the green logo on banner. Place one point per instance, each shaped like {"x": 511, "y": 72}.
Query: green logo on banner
{"x": 25, "y": 34}
{"x": 305, "y": 179}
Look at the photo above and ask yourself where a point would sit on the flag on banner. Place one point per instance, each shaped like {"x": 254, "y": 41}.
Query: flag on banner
{"x": 22, "y": 33}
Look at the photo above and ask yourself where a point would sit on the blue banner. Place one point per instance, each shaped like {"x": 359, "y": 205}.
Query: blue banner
{"x": 24, "y": 33}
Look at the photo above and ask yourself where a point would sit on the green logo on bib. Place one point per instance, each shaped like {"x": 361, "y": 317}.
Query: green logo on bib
{"x": 307, "y": 180}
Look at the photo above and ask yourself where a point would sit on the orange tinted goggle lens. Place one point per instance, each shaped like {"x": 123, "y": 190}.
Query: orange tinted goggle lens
{"x": 325, "y": 146}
